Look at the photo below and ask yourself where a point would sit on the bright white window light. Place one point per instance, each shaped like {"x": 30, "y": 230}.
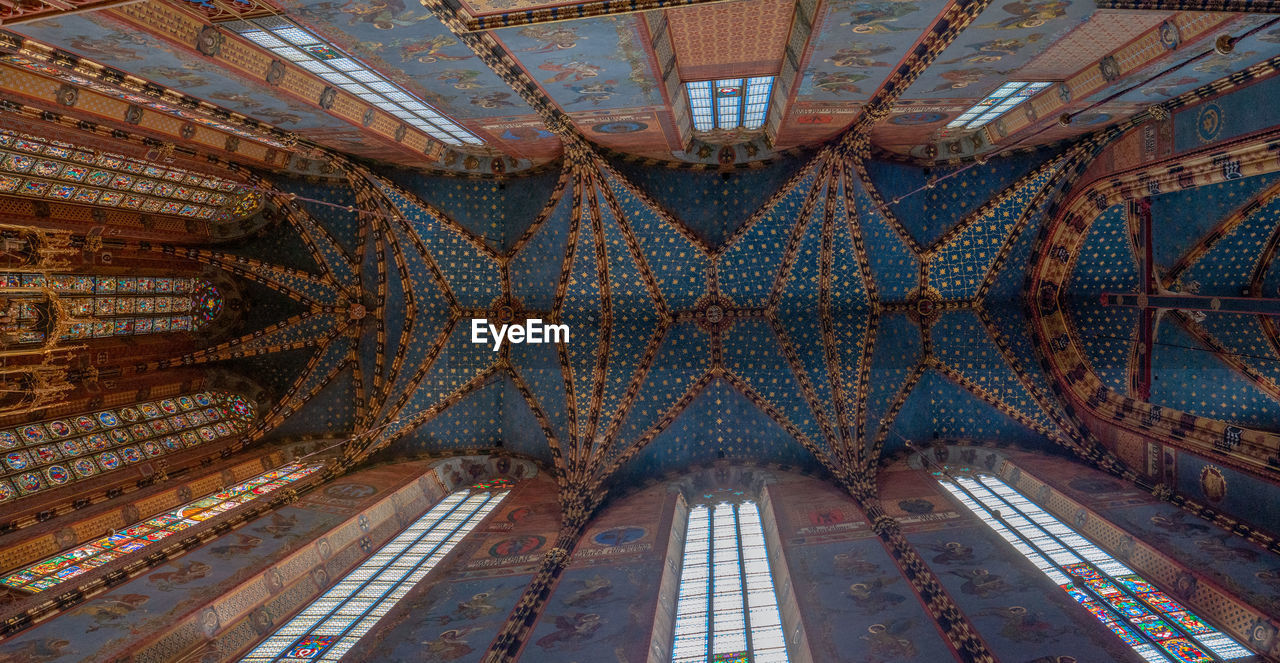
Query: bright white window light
{"x": 1158, "y": 628}
{"x": 329, "y": 627}
{"x": 296, "y": 44}
{"x": 729, "y": 103}
{"x": 727, "y": 609}
{"x": 997, "y": 103}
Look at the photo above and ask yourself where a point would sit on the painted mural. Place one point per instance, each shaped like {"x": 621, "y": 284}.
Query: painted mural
{"x": 1020, "y": 613}
{"x": 604, "y": 604}
{"x": 99, "y": 38}
{"x": 855, "y": 604}
{"x": 1004, "y": 37}
{"x": 405, "y": 42}
{"x": 1235, "y": 564}
{"x": 456, "y": 619}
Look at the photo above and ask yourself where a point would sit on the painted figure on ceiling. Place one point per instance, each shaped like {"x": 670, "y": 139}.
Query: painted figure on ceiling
{"x": 181, "y": 574}
{"x": 112, "y": 611}
{"x": 554, "y": 37}
{"x": 873, "y": 18}
{"x": 961, "y": 78}
{"x": 571, "y": 629}
{"x": 853, "y": 563}
{"x": 1029, "y": 14}
{"x": 1022, "y": 625}
{"x": 460, "y": 79}
{"x": 596, "y": 93}
{"x": 381, "y": 14}
{"x": 573, "y": 70}
{"x": 449, "y": 645}
{"x": 981, "y": 582}
{"x": 429, "y": 50}
{"x": 871, "y": 597}
{"x": 888, "y": 642}
{"x": 995, "y": 50}
{"x": 860, "y": 55}
{"x": 491, "y": 100}
{"x": 836, "y": 82}
{"x": 951, "y": 552}
{"x": 35, "y": 651}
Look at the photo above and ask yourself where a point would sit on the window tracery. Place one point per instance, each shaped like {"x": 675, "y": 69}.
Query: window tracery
{"x": 1158, "y": 628}
{"x": 331, "y": 625}
{"x": 81, "y": 559}
{"x": 47, "y": 454}
{"x": 98, "y": 306}
{"x": 34, "y": 167}
{"x": 727, "y": 609}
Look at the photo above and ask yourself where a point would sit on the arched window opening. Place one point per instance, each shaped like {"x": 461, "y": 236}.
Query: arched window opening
{"x": 34, "y": 167}
{"x": 48, "y": 454}
{"x": 81, "y": 559}
{"x": 95, "y": 306}
{"x": 1158, "y": 628}
{"x": 727, "y": 608}
{"x": 331, "y": 625}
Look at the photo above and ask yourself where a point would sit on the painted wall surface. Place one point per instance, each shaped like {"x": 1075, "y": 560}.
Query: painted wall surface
{"x": 855, "y": 604}
{"x": 1205, "y": 552}
{"x": 603, "y": 608}
{"x": 1020, "y": 613}
{"x": 456, "y": 613}
{"x": 113, "y": 623}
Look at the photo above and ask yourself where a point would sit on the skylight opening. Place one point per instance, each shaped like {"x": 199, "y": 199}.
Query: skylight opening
{"x": 1004, "y": 99}
{"x": 729, "y": 103}
{"x": 296, "y": 44}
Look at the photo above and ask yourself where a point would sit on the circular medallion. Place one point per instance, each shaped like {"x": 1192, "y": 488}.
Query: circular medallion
{"x": 108, "y": 419}
{"x": 914, "y": 119}
{"x": 1208, "y": 122}
{"x": 152, "y": 448}
{"x": 33, "y": 433}
{"x": 130, "y": 414}
{"x": 16, "y": 460}
{"x": 7, "y": 492}
{"x": 71, "y": 447}
{"x": 130, "y": 454}
{"x": 57, "y": 474}
{"x": 85, "y": 423}
{"x": 84, "y": 467}
{"x": 1213, "y": 483}
{"x": 519, "y": 545}
{"x": 28, "y": 482}
{"x": 618, "y": 536}
{"x": 60, "y": 428}
{"x": 619, "y": 127}
{"x": 109, "y": 460}
{"x": 169, "y": 406}
{"x": 202, "y": 399}
{"x": 8, "y": 440}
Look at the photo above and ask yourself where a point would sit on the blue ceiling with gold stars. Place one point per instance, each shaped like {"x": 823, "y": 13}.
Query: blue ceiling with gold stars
{"x": 851, "y": 309}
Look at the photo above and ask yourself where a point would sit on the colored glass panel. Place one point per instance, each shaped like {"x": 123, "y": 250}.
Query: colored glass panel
{"x": 76, "y": 561}
{"x": 1157, "y": 628}
{"x": 729, "y": 103}
{"x": 77, "y": 447}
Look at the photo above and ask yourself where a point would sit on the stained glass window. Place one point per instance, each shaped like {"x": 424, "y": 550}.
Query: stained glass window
{"x": 1004, "y": 99}
{"x": 329, "y": 627}
{"x": 729, "y": 103}
{"x": 111, "y": 305}
{"x": 303, "y": 48}
{"x": 137, "y": 536}
{"x": 47, "y": 454}
{"x": 1158, "y": 628}
{"x": 727, "y": 609}
{"x": 37, "y": 168}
